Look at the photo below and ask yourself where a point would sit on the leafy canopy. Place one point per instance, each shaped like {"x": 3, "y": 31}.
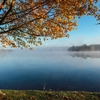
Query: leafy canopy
{"x": 24, "y": 22}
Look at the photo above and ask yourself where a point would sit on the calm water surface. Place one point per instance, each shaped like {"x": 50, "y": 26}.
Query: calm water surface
{"x": 52, "y": 70}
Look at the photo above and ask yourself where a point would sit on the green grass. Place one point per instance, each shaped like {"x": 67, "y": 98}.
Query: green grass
{"x": 48, "y": 95}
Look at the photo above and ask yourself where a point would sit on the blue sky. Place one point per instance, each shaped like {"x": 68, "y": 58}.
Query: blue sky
{"x": 87, "y": 33}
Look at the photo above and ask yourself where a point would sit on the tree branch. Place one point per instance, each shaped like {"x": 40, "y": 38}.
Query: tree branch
{"x": 6, "y": 14}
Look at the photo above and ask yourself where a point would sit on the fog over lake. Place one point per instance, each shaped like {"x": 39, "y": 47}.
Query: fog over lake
{"x": 61, "y": 70}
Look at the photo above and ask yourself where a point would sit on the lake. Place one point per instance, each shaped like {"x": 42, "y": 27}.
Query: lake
{"x": 33, "y": 70}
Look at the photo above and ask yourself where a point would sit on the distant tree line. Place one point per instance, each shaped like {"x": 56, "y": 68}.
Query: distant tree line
{"x": 85, "y": 47}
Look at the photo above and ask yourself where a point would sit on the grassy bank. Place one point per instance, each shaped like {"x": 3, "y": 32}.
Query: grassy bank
{"x": 47, "y": 95}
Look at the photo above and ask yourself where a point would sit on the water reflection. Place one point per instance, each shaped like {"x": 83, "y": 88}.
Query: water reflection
{"x": 57, "y": 70}
{"x": 85, "y": 54}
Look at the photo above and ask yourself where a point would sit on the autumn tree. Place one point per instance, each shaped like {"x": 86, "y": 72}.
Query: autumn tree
{"x": 24, "y": 22}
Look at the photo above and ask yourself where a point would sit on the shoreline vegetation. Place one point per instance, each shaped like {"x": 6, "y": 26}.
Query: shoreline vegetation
{"x": 47, "y": 95}
{"x": 95, "y": 47}
{"x": 82, "y": 48}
